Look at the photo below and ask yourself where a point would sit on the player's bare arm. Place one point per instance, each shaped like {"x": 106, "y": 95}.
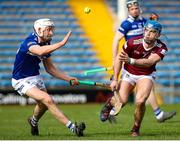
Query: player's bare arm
{"x": 118, "y": 36}
{"x": 144, "y": 62}
{"x": 46, "y": 49}
{"x": 117, "y": 68}
{"x": 52, "y": 70}
{"x": 152, "y": 60}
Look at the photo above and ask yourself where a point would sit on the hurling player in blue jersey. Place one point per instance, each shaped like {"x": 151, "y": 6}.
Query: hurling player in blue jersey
{"x": 133, "y": 26}
{"x": 26, "y": 79}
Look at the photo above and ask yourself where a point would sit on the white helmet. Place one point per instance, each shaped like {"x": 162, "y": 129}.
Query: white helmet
{"x": 129, "y": 3}
{"x": 42, "y": 23}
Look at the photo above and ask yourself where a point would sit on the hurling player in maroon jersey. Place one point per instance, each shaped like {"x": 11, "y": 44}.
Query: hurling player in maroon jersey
{"x": 137, "y": 61}
{"x": 132, "y": 27}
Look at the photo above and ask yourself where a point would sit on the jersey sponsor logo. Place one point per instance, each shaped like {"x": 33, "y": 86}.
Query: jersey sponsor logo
{"x": 135, "y": 32}
{"x": 136, "y": 52}
{"x": 134, "y": 26}
{"x": 138, "y": 41}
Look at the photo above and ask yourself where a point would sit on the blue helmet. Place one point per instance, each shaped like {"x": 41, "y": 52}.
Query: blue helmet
{"x": 154, "y": 25}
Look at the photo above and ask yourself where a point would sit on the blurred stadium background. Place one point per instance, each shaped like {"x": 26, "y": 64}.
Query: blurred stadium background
{"x": 89, "y": 47}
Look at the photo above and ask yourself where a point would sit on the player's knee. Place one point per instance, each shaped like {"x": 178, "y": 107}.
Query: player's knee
{"x": 48, "y": 101}
{"x": 141, "y": 99}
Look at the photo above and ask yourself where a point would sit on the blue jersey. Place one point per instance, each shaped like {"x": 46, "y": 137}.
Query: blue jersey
{"x": 132, "y": 27}
{"x": 27, "y": 64}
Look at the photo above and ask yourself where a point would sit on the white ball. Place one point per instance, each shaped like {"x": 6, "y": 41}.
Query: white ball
{"x": 87, "y": 10}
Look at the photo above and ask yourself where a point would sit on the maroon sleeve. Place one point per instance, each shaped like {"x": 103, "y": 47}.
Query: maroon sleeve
{"x": 127, "y": 47}
{"x": 162, "y": 51}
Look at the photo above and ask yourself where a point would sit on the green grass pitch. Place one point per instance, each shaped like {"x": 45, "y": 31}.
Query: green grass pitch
{"x": 13, "y": 124}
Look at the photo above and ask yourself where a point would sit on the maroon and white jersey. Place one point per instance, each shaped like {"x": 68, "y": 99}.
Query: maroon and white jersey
{"x": 135, "y": 49}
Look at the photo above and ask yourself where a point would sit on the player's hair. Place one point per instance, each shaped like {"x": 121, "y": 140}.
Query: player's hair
{"x": 42, "y": 23}
{"x": 154, "y": 25}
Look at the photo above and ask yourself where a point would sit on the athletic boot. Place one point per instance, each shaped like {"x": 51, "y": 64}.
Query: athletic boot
{"x": 166, "y": 116}
{"x": 135, "y": 131}
{"x": 112, "y": 119}
{"x": 104, "y": 114}
{"x": 34, "y": 127}
{"x": 79, "y": 129}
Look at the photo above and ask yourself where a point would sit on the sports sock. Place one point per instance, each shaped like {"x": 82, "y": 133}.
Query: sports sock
{"x": 158, "y": 112}
{"x": 34, "y": 121}
{"x": 71, "y": 126}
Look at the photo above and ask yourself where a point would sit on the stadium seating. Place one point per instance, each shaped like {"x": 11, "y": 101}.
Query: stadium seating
{"x": 170, "y": 23}
{"x": 16, "y": 22}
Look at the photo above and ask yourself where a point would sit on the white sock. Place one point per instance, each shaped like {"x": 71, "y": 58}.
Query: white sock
{"x": 160, "y": 115}
{"x": 34, "y": 121}
{"x": 71, "y": 126}
{"x": 112, "y": 111}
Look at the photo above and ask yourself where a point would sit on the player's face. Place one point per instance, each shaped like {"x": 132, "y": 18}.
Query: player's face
{"x": 48, "y": 33}
{"x": 134, "y": 11}
{"x": 150, "y": 35}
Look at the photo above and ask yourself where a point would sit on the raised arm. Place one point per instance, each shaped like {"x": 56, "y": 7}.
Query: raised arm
{"x": 117, "y": 69}
{"x": 46, "y": 49}
{"x": 144, "y": 62}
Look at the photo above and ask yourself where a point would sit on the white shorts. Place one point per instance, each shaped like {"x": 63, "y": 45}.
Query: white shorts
{"x": 131, "y": 78}
{"x": 22, "y": 85}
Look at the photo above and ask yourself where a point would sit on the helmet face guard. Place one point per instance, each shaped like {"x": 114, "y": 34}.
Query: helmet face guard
{"x": 154, "y": 25}
{"x": 42, "y": 24}
{"x": 130, "y": 3}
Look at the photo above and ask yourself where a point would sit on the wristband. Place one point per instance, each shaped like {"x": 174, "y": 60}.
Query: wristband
{"x": 131, "y": 61}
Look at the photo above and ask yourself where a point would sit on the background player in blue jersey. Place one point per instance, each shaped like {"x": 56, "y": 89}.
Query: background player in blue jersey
{"x": 26, "y": 79}
{"x": 131, "y": 27}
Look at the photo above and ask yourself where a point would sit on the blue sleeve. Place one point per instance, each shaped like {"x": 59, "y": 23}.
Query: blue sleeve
{"x": 144, "y": 20}
{"x": 27, "y": 43}
{"x": 125, "y": 27}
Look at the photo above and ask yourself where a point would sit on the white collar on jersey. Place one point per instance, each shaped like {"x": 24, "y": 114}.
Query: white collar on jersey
{"x": 132, "y": 18}
{"x": 147, "y": 49}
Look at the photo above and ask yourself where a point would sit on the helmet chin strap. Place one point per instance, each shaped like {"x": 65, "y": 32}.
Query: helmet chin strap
{"x": 41, "y": 32}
